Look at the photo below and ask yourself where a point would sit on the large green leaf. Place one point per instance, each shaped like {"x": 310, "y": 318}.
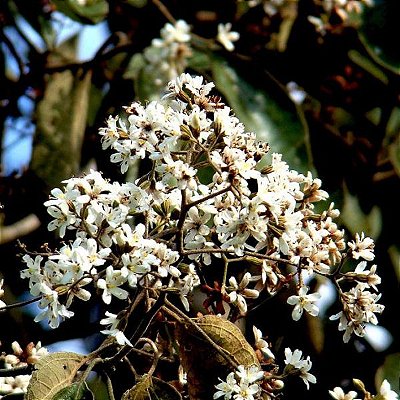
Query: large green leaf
{"x": 262, "y": 114}
{"x": 87, "y": 12}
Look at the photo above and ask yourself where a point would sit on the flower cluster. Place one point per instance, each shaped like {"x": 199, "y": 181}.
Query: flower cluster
{"x": 167, "y": 56}
{"x": 324, "y": 11}
{"x": 99, "y": 212}
{"x": 241, "y": 384}
{"x": 18, "y": 359}
{"x": 213, "y": 194}
{"x": 341, "y": 9}
{"x": 385, "y": 392}
{"x": 256, "y": 384}
{"x": 297, "y": 365}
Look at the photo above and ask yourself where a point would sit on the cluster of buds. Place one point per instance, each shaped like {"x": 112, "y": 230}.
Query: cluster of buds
{"x": 15, "y": 367}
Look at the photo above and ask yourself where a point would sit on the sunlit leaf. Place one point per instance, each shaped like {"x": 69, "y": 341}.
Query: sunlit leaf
{"x": 53, "y": 372}
{"x": 260, "y": 113}
{"x": 86, "y": 12}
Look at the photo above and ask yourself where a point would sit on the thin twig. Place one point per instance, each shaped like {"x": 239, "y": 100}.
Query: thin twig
{"x": 20, "y": 304}
{"x": 164, "y": 11}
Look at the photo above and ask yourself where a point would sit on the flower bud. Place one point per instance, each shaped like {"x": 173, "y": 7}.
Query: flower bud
{"x": 16, "y": 348}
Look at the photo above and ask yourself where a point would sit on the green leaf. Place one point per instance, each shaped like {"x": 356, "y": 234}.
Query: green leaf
{"x": 379, "y": 28}
{"x": 53, "y": 372}
{"x": 145, "y": 76}
{"x": 368, "y": 65}
{"x": 392, "y": 139}
{"x": 260, "y": 113}
{"x": 88, "y": 12}
{"x": 389, "y": 370}
{"x": 60, "y": 126}
{"x": 76, "y": 391}
{"x": 394, "y": 253}
{"x": 356, "y": 220}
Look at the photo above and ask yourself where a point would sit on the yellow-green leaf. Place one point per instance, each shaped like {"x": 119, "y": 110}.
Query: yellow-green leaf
{"x": 141, "y": 391}
{"x": 53, "y": 372}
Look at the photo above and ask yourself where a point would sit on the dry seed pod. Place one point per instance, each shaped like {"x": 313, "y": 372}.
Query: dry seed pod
{"x": 202, "y": 362}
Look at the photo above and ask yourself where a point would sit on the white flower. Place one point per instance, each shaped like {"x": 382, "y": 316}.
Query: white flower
{"x": 362, "y": 247}
{"x": 226, "y": 388}
{"x": 249, "y": 374}
{"x": 239, "y": 292}
{"x": 54, "y": 311}
{"x": 111, "y": 283}
{"x": 386, "y": 393}
{"x": 338, "y": 394}
{"x": 244, "y": 391}
{"x": 110, "y": 134}
{"x": 305, "y": 375}
{"x": 113, "y": 321}
{"x": 302, "y": 302}
{"x": 179, "y": 32}
{"x": 295, "y": 359}
{"x": 367, "y": 277}
{"x": 226, "y": 37}
{"x": 261, "y": 344}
